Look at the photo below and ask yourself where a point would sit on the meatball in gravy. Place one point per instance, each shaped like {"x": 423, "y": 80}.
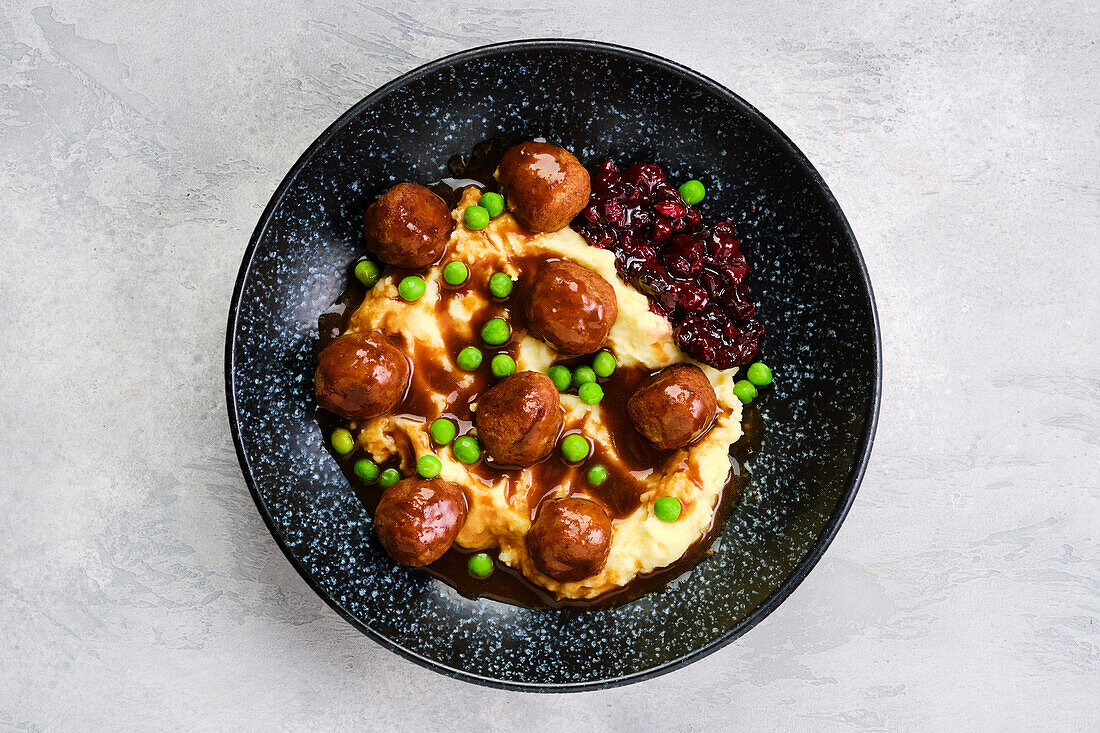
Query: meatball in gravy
{"x": 418, "y": 519}
{"x": 546, "y": 186}
{"x": 570, "y": 307}
{"x": 518, "y": 420}
{"x": 408, "y": 226}
{"x": 570, "y": 538}
{"x": 674, "y": 406}
{"x": 360, "y": 376}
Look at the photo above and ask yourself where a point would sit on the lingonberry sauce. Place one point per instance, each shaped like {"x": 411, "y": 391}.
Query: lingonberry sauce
{"x": 693, "y": 274}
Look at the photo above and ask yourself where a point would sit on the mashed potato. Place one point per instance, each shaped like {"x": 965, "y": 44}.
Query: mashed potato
{"x": 500, "y": 514}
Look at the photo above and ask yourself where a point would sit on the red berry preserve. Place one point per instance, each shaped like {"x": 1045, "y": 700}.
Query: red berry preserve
{"x": 692, "y": 274}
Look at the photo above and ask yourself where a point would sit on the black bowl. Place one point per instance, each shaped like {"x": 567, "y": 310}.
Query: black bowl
{"x": 598, "y": 100}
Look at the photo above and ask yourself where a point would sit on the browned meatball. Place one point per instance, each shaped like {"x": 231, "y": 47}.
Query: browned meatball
{"x": 570, "y": 538}
{"x": 360, "y": 376}
{"x": 571, "y": 307}
{"x": 418, "y": 519}
{"x": 408, "y": 226}
{"x": 674, "y": 406}
{"x": 546, "y": 186}
{"x": 518, "y": 420}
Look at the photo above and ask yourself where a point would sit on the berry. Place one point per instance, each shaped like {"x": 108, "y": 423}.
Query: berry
{"x": 715, "y": 284}
{"x": 683, "y": 256}
{"x": 632, "y": 194}
{"x": 655, "y": 282}
{"x": 607, "y": 172}
{"x": 671, "y": 209}
{"x": 693, "y": 299}
{"x": 662, "y": 230}
{"x": 721, "y": 245}
{"x": 647, "y": 176}
{"x": 615, "y": 212}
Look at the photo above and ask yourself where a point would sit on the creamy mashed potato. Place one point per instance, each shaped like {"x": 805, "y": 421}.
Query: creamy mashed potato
{"x": 499, "y": 514}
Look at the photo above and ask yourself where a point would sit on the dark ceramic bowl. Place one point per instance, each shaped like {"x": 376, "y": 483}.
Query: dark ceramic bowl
{"x": 598, "y": 100}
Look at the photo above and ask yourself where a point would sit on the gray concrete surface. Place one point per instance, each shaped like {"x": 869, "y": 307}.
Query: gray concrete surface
{"x": 139, "y": 589}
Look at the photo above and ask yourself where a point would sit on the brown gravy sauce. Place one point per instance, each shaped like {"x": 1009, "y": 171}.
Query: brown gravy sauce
{"x": 634, "y": 457}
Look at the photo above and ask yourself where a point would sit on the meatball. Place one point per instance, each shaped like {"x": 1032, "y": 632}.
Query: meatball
{"x": 408, "y": 226}
{"x": 546, "y": 186}
{"x": 518, "y": 420}
{"x": 360, "y": 376}
{"x": 418, "y": 519}
{"x": 571, "y": 307}
{"x": 674, "y": 406}
{"x": 570, "y": 538}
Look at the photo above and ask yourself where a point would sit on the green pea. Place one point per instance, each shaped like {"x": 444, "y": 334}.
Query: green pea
{"x": 389, "y": 477}
{"x": 475, "y": 217}
{"x": 428, "y": 466}
{"x": 667, "y": 508}
{"x": 604, "y": 364}
{"x": 574, "y": 448}
{"x": 500, "y": 285}
{"x": 412, "y": 287}
{"x": 455, "y": 273}
{"x": 759, "y": 374}
{"x": 493, "y": 203}
{"x": 467, "y": 450}
{"x": 744, "y": 391}
{"x": 367, "y": 272}
{"x": 443, "y": 431}
{"x": 502, "y": 365}
{"x": 692, "y": 192}
{"x": 366, "y": 470}
{"x": 480, "y": 565}
{"x": 583, "y": 375}
{"x": 469, "y": 358}
{"x": 590, "y": 393}
{"x": 560, "y": 376}
{"x": 597, "y": 475}
{"x": 341, "y": 441}
{"x": 496, "y": 332}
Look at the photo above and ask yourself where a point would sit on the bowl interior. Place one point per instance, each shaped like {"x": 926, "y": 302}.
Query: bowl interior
{"x": 599, "y": 101}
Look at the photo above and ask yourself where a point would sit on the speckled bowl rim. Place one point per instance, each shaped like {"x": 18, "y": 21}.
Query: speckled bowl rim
{"x": 866, "y": 438}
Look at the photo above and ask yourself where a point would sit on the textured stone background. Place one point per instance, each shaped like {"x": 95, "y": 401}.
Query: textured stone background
{"x": 139, "y": 588}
